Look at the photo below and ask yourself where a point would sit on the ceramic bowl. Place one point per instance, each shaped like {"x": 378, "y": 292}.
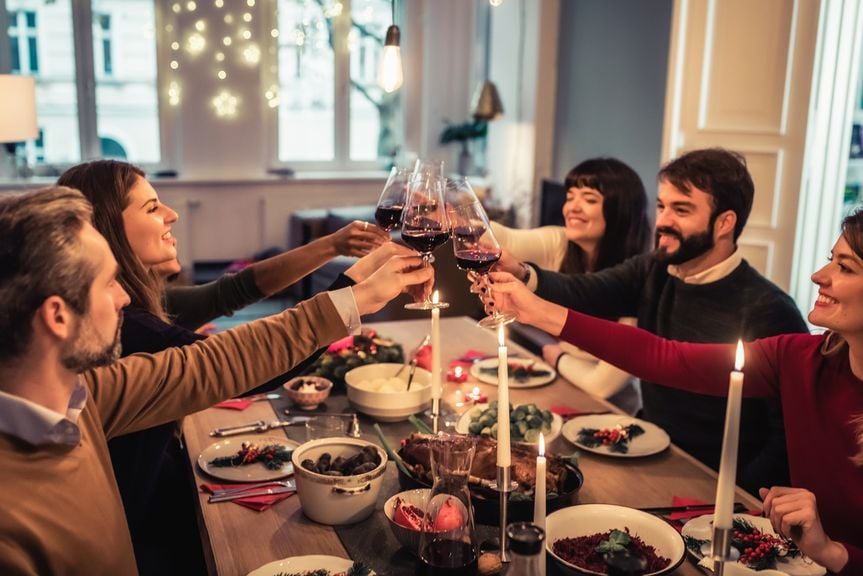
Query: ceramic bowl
{"x": 387, "y": 406}
{"x": 408, "y": 538}
{"x": 307, "y": 399}
{"x": 337, "y": 500}
{"x": 588, "y": 519}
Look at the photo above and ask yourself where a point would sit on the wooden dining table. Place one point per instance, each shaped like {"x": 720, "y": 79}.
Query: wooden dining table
{"x": 237, "y": 540}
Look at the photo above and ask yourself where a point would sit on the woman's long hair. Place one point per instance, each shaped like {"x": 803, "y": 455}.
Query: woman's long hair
{"x": 852, "y": 230}
{"x": 624, "y": 207}
{"x": 106, "y": 184}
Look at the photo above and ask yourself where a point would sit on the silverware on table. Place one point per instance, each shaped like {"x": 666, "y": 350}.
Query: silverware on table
{"x": 256, "y": 486}
{"x": 258, "y": 427}
{"x": 411, "y": 359}
{"x": 247, "y": 494}
{"x": 411, "y": 373}
{"x": 664, "y": 510}
{"x": 354, "y": 432}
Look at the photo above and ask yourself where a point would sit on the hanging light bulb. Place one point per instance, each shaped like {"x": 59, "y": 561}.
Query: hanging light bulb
{"x": 390, "y": 75}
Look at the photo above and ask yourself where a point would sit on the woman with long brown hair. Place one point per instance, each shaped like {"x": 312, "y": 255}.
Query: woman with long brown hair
{"x": 818, "y": 379}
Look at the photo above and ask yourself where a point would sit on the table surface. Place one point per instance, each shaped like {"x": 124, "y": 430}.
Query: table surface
{"x": 238, "y": 540}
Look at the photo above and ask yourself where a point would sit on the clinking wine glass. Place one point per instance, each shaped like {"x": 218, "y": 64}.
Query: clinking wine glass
{"x": 448, "y": 543}
{"x": 424, "y": 223}
{"x": 476, "y": 249}
{"x": 391, "y": 204}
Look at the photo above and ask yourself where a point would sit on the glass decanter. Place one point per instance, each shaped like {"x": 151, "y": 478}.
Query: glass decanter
{"x": 448, "y": 543}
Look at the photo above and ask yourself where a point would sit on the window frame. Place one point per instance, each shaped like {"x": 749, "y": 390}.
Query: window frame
{"x": 341, "y": 161}
{"x": 86, "y": 79}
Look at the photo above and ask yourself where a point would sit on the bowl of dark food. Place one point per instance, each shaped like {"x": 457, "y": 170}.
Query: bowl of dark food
{"x": 563, "y": 478}
{"x": 596, "y": 538}
{"x": 307, "y": 392}
{"x": 338, "y": 479}
{"x": 406, "y": 514}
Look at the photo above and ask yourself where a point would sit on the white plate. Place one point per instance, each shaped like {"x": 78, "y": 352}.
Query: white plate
{"x": 653, "y": 441}
{"x": 491, "y": 378}
{"x": 701, "y": 528}
{"x": 303, "y": 564}
{"x": 256, "y": 472}
{"x": 556, "y": 424}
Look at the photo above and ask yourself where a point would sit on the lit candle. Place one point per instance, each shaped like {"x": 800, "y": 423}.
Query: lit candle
{"x": 504, "y": 458}
{"x": 435, "y": 344}
{"x": 539, "y": 495}
{"x": 458, "y": 373}
{"x": 728, "y": 461}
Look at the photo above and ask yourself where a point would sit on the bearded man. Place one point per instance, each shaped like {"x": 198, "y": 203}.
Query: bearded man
{"x": 694, "y": 287}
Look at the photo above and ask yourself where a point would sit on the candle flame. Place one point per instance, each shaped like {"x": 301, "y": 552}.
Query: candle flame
{"x": 500, "y": 339}
{"x": 457, "y": 371}
{"x": 541, "y": 444}
{"x": 738, "y": 361}
{"x": 435, "y": 297}
{"x": 475, "y": 391}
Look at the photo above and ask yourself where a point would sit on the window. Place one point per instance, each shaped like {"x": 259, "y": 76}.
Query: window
{"x": 119, "y": 105}
{"x": 331, "y": 112}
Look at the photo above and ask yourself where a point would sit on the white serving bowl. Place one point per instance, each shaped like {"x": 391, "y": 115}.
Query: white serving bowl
{"x": 388, "y": 406}
{"x": 408, "y": 538}
{"x": 336, "y": 500}
{"x": 587, "y": 519}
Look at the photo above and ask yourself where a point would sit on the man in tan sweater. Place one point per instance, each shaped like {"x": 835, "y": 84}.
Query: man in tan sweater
{"x": 63, "y": 392}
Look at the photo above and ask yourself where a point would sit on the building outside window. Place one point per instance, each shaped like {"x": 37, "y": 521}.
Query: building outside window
{"x": 22, "y": 42}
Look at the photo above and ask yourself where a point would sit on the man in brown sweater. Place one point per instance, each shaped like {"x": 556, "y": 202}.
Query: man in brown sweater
{"x": 63, "y": 392}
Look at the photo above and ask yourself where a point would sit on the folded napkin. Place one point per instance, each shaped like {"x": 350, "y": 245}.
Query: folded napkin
{"x": 423, "y": 357}
{"x": 259, "y": 503}
{"x": 679, "y": 501}
{"x": 467, "y": 359}
{"x": 235, "y": 404}
{"x": 566, "y": 412}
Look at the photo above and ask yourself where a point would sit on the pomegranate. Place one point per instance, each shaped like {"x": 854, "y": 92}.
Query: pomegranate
{"x": 407, "y": 515}
{"x": 449, "y": 516}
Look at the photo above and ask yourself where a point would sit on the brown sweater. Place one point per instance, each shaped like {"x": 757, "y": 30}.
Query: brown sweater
{"x": 60, "y": 511}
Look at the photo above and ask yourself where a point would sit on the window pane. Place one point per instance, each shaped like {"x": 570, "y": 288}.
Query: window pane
{"x": 124, "y": 52}
{"x": 306, "y": 81}
{"x": 42, "y": 30}
{"x": 373, "y": 112}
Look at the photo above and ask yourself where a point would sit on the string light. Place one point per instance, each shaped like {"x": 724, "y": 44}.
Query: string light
{"x": 219, "y": 3}
{"x": 220, "y": 56}
{"x": 176, "y": 8}
{"x": 250, "y": 3}
{"x": 252, "y": 54}
{"x": 191, "y": 6}
{"x": 175, "y": 45}
{"x": 247, "y": 17}
{"x": 174, "y": 64}
{"x": 229, "y": 18}
{"x": 225, "y": 104}
{"x": 227, "y": 41}
{"x": 222, "y": 74}
{"x": 200, "y": 25}
{"x": 272, "y": 96}
{"x": 173, "y": 93}
{"x": 195, "y": 44}
{"x": 246, "y": 34}
{"x": 274, "y": 32}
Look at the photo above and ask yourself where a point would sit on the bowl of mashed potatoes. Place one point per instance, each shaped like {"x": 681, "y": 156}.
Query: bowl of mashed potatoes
{"x": 381, "y": 391}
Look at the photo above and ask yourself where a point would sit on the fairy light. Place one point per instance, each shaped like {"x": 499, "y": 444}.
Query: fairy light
{"x": 334, "y": 10}
{"x": 174, "y": 93}
{"x": 274, "y": 32}
{"x": 227, "y": 41}
{"x": 174, "y": 64}
{"x": 299, "y": 38}
{"x": 246, "y": 34}
{"x": 195, "y": 44}
{"x": 272, "y": 96}
{"x": 219, "y": 3}
{"x": 176, "y": 8}
{"x": 220, "y": 56}
{"x": 252, "y": 54}
{"x": 222, "y": 74}
{"x": 175, "y": 45}
{"x": 247, "y": 17}
{"x": 225, "y": 104}
{"x": 250, "y": 3}
{"x": 191, "y": 6}
{"x": 200, "y": 25}
{"x": 229, "y": 18}
{"x": 169, "y": 28}
{"x": 495, "y": 2}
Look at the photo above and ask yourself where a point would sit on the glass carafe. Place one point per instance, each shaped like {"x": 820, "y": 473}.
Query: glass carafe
{"x": 448, "y": 544}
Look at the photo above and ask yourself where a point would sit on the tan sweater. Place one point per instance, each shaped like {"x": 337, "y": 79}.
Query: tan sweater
{"x": 60, "y": 511}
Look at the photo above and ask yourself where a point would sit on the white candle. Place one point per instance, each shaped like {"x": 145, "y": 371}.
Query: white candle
{"x": 539, "y": 495}
{"x": 504, "y": 458}
{"x": 435, "y": 344}
{"x": 728, "y": 462}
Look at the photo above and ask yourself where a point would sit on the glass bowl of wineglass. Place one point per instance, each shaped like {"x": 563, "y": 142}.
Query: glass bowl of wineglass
{"x": 475, "y": 247}
{"x": 388, "y": 213}
{"x": 425, "y": 226}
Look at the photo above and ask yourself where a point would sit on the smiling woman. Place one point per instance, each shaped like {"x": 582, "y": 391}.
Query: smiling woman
{"x": 148, "y": 225}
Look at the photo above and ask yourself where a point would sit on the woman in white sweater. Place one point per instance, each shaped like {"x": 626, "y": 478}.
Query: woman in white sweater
{"x": 606, "y": 222}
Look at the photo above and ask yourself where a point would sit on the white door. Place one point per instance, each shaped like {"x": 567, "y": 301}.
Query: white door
{"x": 739, "y": 77}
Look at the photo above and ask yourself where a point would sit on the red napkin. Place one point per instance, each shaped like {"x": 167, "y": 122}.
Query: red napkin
{"x": 467, "y": 359}
{"x": 566, "y": 412}
{"x": 235, "y": 404}
{"x": 259, "y": 503}
{"x": 678, "y": 501}
{"x": 423, "y": 357}
{"x": 340, "y": 345}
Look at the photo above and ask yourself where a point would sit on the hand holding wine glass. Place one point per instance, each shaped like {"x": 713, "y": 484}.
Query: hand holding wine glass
{"x": 388, "y": 213}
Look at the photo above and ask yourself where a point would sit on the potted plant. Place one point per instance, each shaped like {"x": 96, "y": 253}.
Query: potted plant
{"x": 464, "y": 133}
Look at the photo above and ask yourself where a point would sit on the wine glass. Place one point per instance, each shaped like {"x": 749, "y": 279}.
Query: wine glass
{"x": 424, "y": 223}
{"x": 476, "y": 249}
{"x": 388, "y": 213}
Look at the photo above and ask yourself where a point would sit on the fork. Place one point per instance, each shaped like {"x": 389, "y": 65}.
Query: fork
{"x": 225, "y": 492}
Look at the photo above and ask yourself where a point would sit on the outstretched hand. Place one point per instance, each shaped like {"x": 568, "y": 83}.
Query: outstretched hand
{"x": 397, "y": 275}
{"x": 357, "y": 239}
{"x": 794, "y": 514}
{"x": 368, "y": 264}
{"x": 505, "y": 294}
{"x": 509, "y": 263}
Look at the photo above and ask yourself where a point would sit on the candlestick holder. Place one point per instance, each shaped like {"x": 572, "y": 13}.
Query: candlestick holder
{"x": 504, "y": 485}
{"x": 721, "y": 550}
{"x": 435, "y": 415}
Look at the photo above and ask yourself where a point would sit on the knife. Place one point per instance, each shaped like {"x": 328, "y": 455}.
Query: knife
{"x": 261, "y": 492}
{"x": 739, "y": 507}
{"x": 258, "y": 427}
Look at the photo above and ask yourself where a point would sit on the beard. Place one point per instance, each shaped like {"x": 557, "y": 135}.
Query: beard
{"x": 689, "y": 247}
{"x": 86, "y": 351}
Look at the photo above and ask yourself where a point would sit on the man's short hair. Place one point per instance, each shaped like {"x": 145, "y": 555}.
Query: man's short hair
{"x": 718, "y": 172}
{"x": 40, "y": 256}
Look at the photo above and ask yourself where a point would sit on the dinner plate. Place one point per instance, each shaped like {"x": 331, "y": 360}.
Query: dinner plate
{"x": 256, "y": 472}
{"x": 698, "y": 532}
{"x": 303, "y": 564}
{"x": 530, "y": 382}
{"x": 556, "y": 424}
{"x": 653, "y": 441}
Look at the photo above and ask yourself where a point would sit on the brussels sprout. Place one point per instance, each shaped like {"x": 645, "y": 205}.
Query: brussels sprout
{"x": 518, "y": 414}
{"x": 521, "y": 427}
{"x": 534, "y": 421}
{"x": 485, "y": 431}
{"x": 475, "y": 427}
{"x": 547, "y": 416}
{"x": 531, "y": 435}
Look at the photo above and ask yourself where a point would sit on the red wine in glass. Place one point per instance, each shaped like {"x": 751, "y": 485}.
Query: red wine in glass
{"x": 479, "y": 261}
{"x": 388, "y": 217}
{"x": 448, "y": 558}
{"x": 424, "y": 240}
